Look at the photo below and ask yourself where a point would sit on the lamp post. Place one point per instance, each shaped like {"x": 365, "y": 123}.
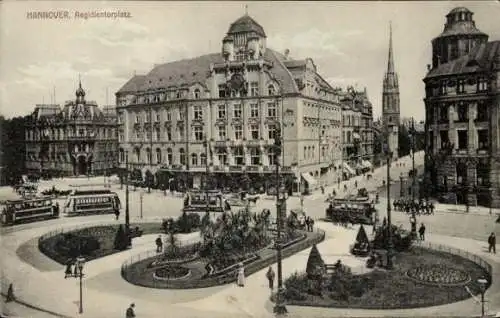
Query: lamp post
{"x": 127, "y": 211}
{"x": 401, "y": 190}
{"x": 141, "y": 197}
{"x": 414, "y": 176}
{"x": 80, "y": 262}
{"x": 207, "y": 171}
{"x": 389, "y": 223}
{"x": 482, "y": 285}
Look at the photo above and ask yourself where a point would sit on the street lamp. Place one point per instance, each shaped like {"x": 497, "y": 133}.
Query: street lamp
{"x": 207, "y": 171}
{"x": 80, "y": 262}
{"x": 127, "y": 211}
{"x": 141, "y": 197}
{"x": 482, "y": 285}
{"x": 401, "y": 190}
{"x": 388, "y": 154}
{"x": 414, "y": 176}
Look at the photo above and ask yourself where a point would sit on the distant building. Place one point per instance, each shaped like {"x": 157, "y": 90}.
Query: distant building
{"x": 79, "y": 139}
{"x": 462, "y": 105}
{"x": 235, "y": 99}
{"x": 390, "y": 103}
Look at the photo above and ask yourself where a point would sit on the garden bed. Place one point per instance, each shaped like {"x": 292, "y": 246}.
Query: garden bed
{"x": 171, "y": 272}
{"x": 393, "y": 289}
{"x": 98, "y": 241}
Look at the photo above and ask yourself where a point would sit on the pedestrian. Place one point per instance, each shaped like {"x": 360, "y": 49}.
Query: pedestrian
{"x": 241, "y": 275}
{"x": 311, "y": 224}
{"x": 301, "y": 200}
{"x": 356, "y": 184}
{"x": 117, "y": 213}
{"x": 75, "y": 270}
{"x": 270, "y": 277}
{"x": 130, "y": 311}
{"x": 322, "y": 190}
{"x": 159, "y": 244}
{"x": 492, "y": 242}
{"x": 307, "y": 221}
{"x": 421, "y": 231}
{"x": 68, "y": 271}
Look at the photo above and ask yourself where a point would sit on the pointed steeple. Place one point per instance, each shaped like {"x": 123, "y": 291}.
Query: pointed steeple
{"x": 390, "y": 60}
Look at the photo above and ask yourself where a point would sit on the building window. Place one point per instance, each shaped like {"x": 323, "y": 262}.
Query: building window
{"x": 238, "y": 132}
{"x": 146, "y": 117}
{"x": 169, "y": 133}
{"x": 443, "y": 135}
{"x": 203, "y": 159}
{"x": 462, "y": 139}
{"x": 222, "y": 156}
{"x": 169, "y": 115}
{"x": 271, "y": 110}
{"x": 254, "y": 131}
{"x": 137, "y": 121}
{"x": 461, "y": 173}
{"x": 197, "y": 112}
{"x": 305, "y": 153}
{"x": 443, "y": 114}
{"x": 182, "y": 157}
{"x": 270, "y": 90}
{"x": 271, "y": 130}
{"x": 179, "y": 95}
{"x": 221, "y": 111}
{"x": 462, "y": 113}
{"x": 182, "y": 115}
{"x": 149, "y": 135}
{"x": 148, "y": 155}
{"x": 137, "y": 154}
{"x": 137, "y": 134}
{"x": 237, "y": 111}
{"x": 254, "y": 110}
{"x": 482, "y": 139}
{"x": 170, "y": 158}
{"x": 239, "y": 156}
{"x": 255, "y": 156}
{"x": 483, "y": 85}
{"x": 122, "y": 155}
{"x": 158, "y": 155}
{"x": 221, "y": 132}
{"x": 121, "y": 136}
{"x": 157, "y": 116}
{"x": 197, "y": 94}
{"x": 222, "y": 91}
{"x": 198, "y": 133}
{"x": 240, "y": 56}
{"x": 271, "y": 155}
{"x": 181, "y": 131}
{"x": 461, "y": 86}
{"x": 482, "y": 174}
{"x": 254, "y": 89}
{"x": 194, "y": 159}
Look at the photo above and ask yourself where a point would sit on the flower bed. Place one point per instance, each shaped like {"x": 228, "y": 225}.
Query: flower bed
{"x": 393, "y": 289}
{"x": 439, "y": 275}
{"x": 58, "y": 246}
{"x": 171, "y": 272}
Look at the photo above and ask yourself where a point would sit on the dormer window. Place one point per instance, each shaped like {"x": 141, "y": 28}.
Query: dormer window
{"x": 197, "y": 94}
{"x": 179, "y": 95}
{"x": 254, "y": 89}
{"x": 270, "y": 90}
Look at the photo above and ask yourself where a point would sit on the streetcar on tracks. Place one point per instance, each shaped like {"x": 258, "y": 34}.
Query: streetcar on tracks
{"x": 87, "y": 202}
{"x": 351, "y": 210}
{"x": 201, "y": 201}
{"x": 28, "y": 210}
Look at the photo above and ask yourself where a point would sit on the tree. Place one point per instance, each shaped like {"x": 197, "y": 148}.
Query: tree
{"x": 121, "y": 240}
{"x": 12, "y": 149}
{"x": 361, "y": 237}
{"x": 315, "y": 264}
{"x": 404, "y": 141}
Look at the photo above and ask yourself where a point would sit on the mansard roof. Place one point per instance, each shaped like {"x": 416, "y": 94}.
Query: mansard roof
{"x": 480, "y": 59}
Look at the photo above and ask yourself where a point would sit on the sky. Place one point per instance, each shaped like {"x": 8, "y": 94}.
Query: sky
{"x": 348, "y": 41}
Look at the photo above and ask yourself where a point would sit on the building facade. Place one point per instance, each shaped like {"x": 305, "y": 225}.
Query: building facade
{"x": 235, "y": 100}
{"x": 79, "y": 139}
{"x": 390, "y": 103}
{"x": 462, "y": 113}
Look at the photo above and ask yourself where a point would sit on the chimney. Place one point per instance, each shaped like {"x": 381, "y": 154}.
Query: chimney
{"x": 287, "y": 53}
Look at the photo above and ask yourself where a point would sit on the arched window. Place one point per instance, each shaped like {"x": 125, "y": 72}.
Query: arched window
{"x": 137, "y": 154}
{"x": 194, "y": 159}
{"x": 182, "y": 157}
{"x": 270, "y": 90}
{"x": 239, "y": 156}
{"x": 197, "y": 94}
{"x": 170, "y": 158}
{"x": 148, "y": 155}
{"x": 158, "y": 155}
{"x": 255, "y": 156}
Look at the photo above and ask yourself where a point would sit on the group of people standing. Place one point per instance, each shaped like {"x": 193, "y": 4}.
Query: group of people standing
{"x": 409, "y": 206}
{"x": 71, "y": 269}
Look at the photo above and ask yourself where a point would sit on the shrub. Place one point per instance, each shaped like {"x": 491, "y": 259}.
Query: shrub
{"x": 74, "y": 246}
{"x": 295, "y": 286}
{"x": 315, "y": 264}
{"x": 401, "y": 239}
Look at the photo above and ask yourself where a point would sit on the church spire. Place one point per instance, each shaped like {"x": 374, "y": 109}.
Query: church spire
{"x": 390, "y": 60}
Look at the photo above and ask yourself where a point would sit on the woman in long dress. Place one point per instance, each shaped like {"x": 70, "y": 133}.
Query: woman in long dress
{"x": 241, "y": 276}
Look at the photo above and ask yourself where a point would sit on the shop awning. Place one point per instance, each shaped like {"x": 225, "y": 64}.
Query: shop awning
{"x": 366, "y": 164}
{"x": 348, "y": 168}
{"x": 309, "y": 179}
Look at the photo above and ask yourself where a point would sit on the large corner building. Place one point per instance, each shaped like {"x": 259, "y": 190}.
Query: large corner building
{"x": 462, "y": 113}
{"x": 235, "y": 99}
{"x": 79, "y": 139}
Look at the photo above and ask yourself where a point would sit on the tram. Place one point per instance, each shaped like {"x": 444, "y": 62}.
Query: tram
{"x": 196, "y": 201}
{"x": 355, "y": 211}
{"x": 18, "y": 211}
{"x": 91, "y": 202}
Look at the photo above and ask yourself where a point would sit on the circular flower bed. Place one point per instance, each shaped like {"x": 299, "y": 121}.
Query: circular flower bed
{"x": 438, "y": 275}
{"x": 171, "y": 272}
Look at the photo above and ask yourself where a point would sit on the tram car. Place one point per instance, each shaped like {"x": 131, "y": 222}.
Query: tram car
{"x": 85, "y": 202}
{"x": 196, "y": 201}
{"x": 354, "y": 211}
{"x": 28, "y": 210}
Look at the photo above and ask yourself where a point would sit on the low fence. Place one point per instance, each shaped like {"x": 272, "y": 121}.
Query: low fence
{"x": 131, "y": 274}
{"x": 458, "y": 252}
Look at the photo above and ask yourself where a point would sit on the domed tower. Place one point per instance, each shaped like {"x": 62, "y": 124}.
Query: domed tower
{"x": 244, "y": 40}
{"x": 458, "y": 38}
{"x": 80, "y": 94}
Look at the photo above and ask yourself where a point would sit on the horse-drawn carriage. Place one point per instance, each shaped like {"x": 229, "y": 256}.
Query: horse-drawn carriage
{"x": 354, "y": 211}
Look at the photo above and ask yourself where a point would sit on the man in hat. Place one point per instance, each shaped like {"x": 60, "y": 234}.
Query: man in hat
{"x": 130, "y": 311}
